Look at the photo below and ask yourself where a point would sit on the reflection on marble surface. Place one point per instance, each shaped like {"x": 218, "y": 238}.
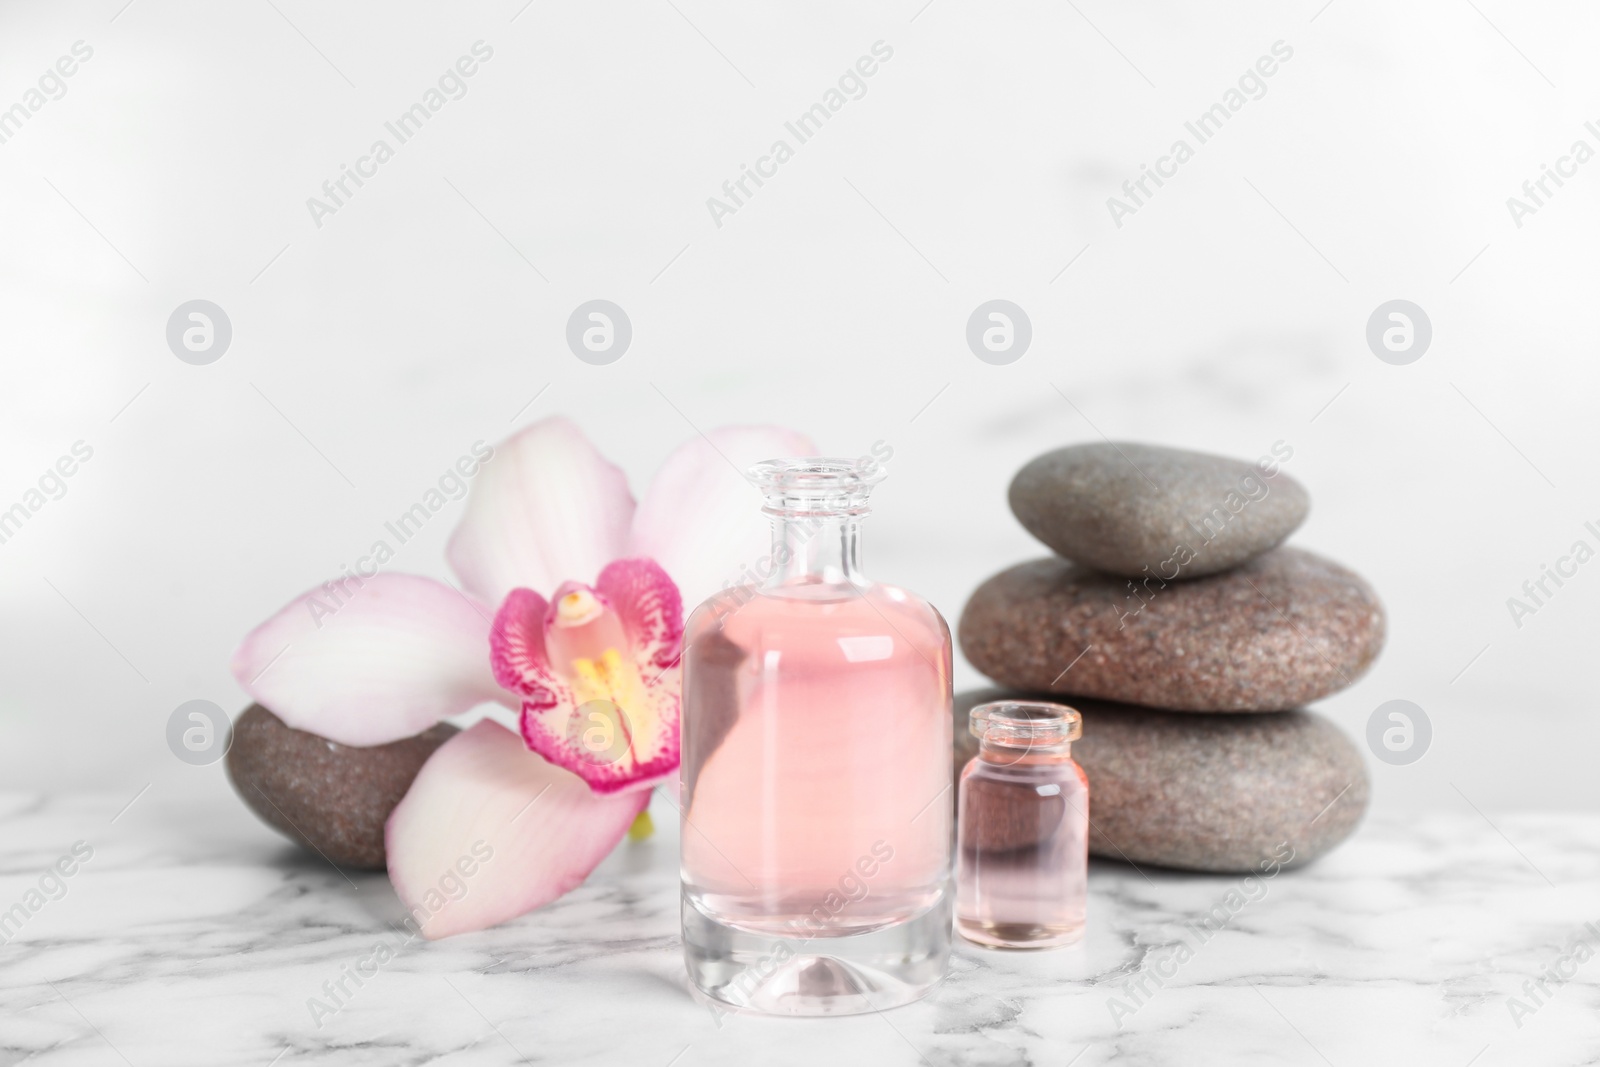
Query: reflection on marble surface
{"x": 197, "y": 937}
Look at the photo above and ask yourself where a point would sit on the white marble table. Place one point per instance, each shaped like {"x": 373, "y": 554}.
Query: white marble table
{"x": 194, "y": 936}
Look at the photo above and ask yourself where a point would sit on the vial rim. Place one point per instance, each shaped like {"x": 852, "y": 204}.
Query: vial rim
{"x": 1025, "y": 722}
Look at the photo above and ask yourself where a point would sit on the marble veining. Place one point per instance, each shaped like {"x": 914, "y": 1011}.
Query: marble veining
{"x": 193, "y": 935}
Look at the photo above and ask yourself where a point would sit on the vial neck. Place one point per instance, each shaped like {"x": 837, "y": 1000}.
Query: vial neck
{"x": 1008, "y": 755}
{"x": 816, "y": 549}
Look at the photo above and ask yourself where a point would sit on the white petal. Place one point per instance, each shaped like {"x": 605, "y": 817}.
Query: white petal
{"x": 371, "y": 664}
{"x": 546, "y": 507}
{"x": 490, "y": 831}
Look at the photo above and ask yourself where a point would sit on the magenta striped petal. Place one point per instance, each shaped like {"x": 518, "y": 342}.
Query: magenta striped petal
{"x": 651, "y": 610}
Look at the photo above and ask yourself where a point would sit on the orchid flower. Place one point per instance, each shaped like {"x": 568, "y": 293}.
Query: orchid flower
{"x": 570, "y": 612}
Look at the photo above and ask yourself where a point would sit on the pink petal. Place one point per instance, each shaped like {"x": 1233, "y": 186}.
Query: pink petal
{"x": 372, "y": 662}
{"x": 700, "y": 519}
{"x": 490, "y": 831}
{"x": 650, "y": 607}
{"x": 547, "y": 506}
{"x": 516, "y": 648}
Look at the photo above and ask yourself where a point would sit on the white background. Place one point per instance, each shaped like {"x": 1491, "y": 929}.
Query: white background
{"x": 1225, "y": 315}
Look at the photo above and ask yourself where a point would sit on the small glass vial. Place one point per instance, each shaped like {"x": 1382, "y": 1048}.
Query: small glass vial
{"x": 816, "y": 838}
{"x": 1022, "y": 855}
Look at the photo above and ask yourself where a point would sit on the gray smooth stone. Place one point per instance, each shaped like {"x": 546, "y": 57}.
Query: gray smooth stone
{"x": 1125, "y": 507}
{"x": 1222, "y": 793}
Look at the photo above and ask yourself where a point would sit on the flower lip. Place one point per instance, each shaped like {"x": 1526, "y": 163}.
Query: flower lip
{"x": 600, "y": 697}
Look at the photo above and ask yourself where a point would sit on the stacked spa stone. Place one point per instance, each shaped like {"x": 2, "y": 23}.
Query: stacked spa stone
{"x": 1190, "y": 639}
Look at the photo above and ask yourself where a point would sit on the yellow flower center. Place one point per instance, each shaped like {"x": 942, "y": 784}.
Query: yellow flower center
{"x": 587, "y": 644}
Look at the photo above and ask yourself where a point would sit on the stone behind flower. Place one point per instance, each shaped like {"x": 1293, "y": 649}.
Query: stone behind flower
{"x": 1220, "y": 793}
{"x": 1138, "y": 510}
{"x": 331, "y": 798}
{"x": 1280, "y": 631}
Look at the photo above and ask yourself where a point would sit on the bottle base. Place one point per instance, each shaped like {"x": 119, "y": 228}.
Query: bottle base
{"x": 849, "y": 974}
{"x": 1019, "y": 935}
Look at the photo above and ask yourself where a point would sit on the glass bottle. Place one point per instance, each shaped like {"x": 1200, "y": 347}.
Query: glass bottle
{"x": 816, "y": 769}
{"x": 1022, "y": 852}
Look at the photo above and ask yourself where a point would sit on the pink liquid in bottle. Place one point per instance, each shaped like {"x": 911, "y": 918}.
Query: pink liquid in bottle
{"x": 816, "y": 772}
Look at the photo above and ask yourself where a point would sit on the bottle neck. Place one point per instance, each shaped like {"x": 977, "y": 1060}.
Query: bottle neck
{"x": 815, "y": 549}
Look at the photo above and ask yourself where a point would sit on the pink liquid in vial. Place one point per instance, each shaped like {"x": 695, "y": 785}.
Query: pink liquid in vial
{"x": 1022, "y": 857}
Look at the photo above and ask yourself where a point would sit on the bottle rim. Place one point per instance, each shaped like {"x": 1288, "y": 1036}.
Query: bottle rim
{"x": 816, "y": 485}
{"x": 1025, "y": 723}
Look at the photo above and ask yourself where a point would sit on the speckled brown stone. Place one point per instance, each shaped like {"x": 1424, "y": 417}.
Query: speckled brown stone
{"x": 1123, "y": 507}
{"x": 1283, "y": 630}
{"x": 331, "y": 798}
{"x": 1207, "y": 792}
